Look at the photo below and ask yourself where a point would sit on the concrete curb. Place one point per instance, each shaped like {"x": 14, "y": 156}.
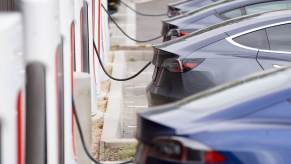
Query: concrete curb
{"x": 111, "y": 117}
{"x": 110, "y": 138}
{"x": 82, "y": 95}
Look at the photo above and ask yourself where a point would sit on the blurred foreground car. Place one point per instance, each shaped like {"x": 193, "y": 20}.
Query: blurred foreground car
{"x": 244, "y": 122}
{"x": 217, "y": 13}
{"x": 113, "y": 6}
{"x": 177, "y": 8}
{"x": 219, "y": 54}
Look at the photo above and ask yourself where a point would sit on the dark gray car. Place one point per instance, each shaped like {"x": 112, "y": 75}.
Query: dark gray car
{"x": 219, "y": 54}
{"x": 216, "y": 13}
{"x": 177, "y": 8}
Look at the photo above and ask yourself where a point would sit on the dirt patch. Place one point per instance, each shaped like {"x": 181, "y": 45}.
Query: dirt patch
{"x": 122, "y": 152}
{"x": 97, "y": 127}
{"x": 102, "y": 104}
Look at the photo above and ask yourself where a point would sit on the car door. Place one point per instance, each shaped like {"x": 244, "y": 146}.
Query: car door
{"x": 279, "y": 52}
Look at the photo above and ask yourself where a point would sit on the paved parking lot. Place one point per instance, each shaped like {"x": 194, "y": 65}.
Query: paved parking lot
{"x": 148, "y": 27}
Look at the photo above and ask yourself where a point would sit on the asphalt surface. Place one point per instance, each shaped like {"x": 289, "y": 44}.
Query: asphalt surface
{"x": 149, "y": 27}
{"x": 142, "y": 28}
{"x": 134, "y": 92}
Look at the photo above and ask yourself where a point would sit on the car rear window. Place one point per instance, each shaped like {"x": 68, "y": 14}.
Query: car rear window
{"x": 280, "y": 37}
{"x": 268, "y": 6}
{"x": 257, "y": 8}
{"x": 257, "y": 39}
{"x": 232, "y": 14}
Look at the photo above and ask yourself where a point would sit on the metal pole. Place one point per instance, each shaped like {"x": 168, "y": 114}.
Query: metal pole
{"x": 9, "y": 5}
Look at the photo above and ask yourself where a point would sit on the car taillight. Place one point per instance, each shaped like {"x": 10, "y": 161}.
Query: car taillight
{"x": 213, "y": 157}
{"x": 181, "y": 65}
{"x": 180, "y": 150}
{"x": 174, "y": 32}
{"x": 182, "y": 33}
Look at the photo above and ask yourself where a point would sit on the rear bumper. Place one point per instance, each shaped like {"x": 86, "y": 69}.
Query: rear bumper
{"x": 170, "y": 87}
{"x": 156, "y": 160}
{"x": 156, "y": 97}
{"x": 145, "y": 155}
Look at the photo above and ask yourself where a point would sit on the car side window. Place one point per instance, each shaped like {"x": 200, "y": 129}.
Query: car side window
{"x": 257, "y": 39}
{"x": 280, "y": 37}
{"x": 232, "y": 13}
{"x": 268, "y": 6}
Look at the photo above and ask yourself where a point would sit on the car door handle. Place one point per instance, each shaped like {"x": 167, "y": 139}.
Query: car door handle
{"x": 278, "y": 66}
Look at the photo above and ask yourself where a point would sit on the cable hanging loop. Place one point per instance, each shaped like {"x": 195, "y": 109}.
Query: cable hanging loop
{"x": 140, "y": 13}
{"x": 114, "y": 78}
{"x": 124, "y": 33}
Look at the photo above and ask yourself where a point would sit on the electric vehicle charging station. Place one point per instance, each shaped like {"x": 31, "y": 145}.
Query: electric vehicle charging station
{"x": 57, "y": 34}
{"x": 77, "y": 13}
{"x": 85, "y": 15}
{"x": 44, "y": 103}
{"x": 12, "y": 89}
{"x": 67, "y": 27}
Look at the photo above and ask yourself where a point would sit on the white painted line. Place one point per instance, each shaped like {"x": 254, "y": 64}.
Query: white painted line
{"x": 136, "y": 87}
{"x": 142, "y": 1}
{"x": 137, "y": 106}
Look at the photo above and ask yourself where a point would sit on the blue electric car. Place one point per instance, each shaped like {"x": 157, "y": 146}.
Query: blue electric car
{"x": 243, "y": 122}
{"x": 216, "y": 13}
{"x": 218, "y": 54}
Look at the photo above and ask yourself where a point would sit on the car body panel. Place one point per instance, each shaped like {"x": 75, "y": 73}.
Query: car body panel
{"x": 183, "y": 6}
{"x": 268, "y": 60}
{"x": 186, "y": 5}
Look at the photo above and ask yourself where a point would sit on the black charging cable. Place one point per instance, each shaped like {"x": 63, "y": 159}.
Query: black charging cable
{"x": 113, "y": 78}
{"x": 140, "y": 13}
{"x": 124, "y": 33}
{"x": 81, "y": 134}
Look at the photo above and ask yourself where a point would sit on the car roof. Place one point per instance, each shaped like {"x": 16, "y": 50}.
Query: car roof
{"x": 219, "y": 6}
{"x": 195, "y": 11}
{"x": 190, "y": 43}
{"x": 180, "y": 2}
